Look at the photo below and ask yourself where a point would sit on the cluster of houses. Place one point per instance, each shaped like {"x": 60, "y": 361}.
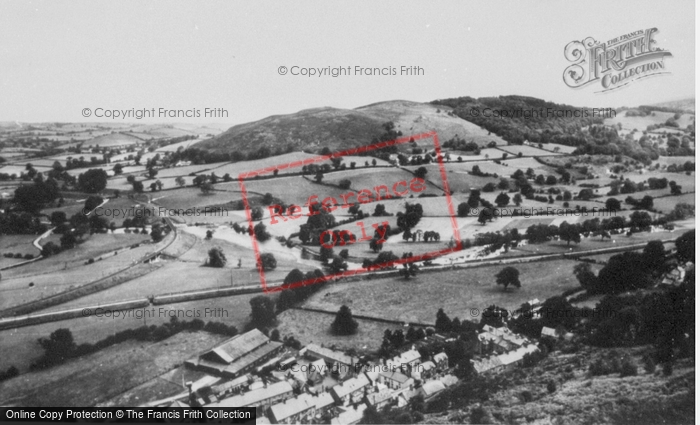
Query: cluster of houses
{"x": 321, "y": 385}
{"x": 506, "y": 350}
{"x": 316, "y": 385}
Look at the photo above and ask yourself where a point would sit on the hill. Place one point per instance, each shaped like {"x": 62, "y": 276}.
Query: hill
{"x": 313, "y": 129}
{"x": 682, "y": 105}
{"x": 307, "y": 130}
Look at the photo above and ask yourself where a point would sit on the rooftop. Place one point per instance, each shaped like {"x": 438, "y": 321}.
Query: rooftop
{"x": 236, "y": 347}
{"x": 350, "y": 386}
{"x": 253, "y": 398}
{"x": 395, "y": 376}
{"x": 293, "y": 406}
{"x": 336, "y": 356}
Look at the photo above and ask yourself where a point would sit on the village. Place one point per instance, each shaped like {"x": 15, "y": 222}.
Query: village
{"x": 316, "y": 384}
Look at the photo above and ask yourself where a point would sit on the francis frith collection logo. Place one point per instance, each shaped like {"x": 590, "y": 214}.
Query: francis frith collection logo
{"x": 615, "y": 63}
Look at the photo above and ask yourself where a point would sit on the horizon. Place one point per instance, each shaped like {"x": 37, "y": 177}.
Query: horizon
{"x": 221, "y": 123}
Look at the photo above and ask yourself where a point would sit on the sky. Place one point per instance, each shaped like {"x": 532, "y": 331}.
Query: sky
{"x": 59, "y": 57}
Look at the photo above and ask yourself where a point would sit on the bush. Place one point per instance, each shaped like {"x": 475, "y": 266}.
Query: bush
{"x": 551, "y": 387}
{"x": 628, "y": 368}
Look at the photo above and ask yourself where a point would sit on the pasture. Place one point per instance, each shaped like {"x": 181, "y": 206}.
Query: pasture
{"x": 456, "y": 291}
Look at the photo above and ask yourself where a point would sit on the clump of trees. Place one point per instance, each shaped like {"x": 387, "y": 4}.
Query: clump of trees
{"x": 217, "y": 258}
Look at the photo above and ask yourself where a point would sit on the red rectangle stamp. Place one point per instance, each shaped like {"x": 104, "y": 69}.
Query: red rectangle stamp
{"x": 316, "y": 208}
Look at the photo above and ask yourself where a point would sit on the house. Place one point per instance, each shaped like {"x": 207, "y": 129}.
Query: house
{"x": 379, "y": 399}
{"x": 395, "y": 379}
{"x": 407, "y": 360}
{"x": 424, "y": 371}
{"x": 449, "y": 380}
{"x": 350, "y": 391}
{"x": 323, "y": 404}
{"x": 549, "y": 332}
{"x": 232, "y": 386}
{"x": 299, "y": 409}
{"x": 337, "y": 360}
{"x": 350, "y": 416}
{"x": 432, "y": 388}
{"x": 298, "y": 378}
{"x": 261, "y": 398}
{"x": 488, "y": 364}
{"x": 237, "y": 356}
{"x": 441, "y": 361}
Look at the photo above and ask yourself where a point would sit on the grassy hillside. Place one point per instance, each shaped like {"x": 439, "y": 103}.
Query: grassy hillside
{"x": 307, "y": 130}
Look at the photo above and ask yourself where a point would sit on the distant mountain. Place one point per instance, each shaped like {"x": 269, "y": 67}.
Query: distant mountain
{"x": 339, "y": 129}
{"x": 683, "y": 105}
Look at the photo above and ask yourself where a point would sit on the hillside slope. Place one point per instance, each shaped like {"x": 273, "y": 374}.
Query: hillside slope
{"x": 308, "y": 130}
{"x": 338, "y": 129}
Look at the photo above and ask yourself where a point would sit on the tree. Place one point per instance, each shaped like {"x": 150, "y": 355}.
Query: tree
{"x": 137, "y": 186}
{"x": 379, "y": 210}
{"x": 517, "y": 199}
{"x": 338, "y": 265}
{"x": 152, "y": 172}
{"x": 256, "y": 213}
{"x": 344, "y": 324}
{"x": 421, "y": 172}
{"x": 551, "y": 180}
{"x": 58, "y": 347}
{"x": 93, "y": 180}
{"x": 293, "y": 277}
{"x": 613, "y": 204}
{"x": 570, "y": 232}
{"x": 205, "y": 187}
{"x": 685, "y": 246}
{"x": 586, "y": 277}
{"x": 502, "y": 199}
{"x": 157, "y": 234}
{"x": 442, "y": 322}
{"x": 262, "y": 312}
{"x": 508, "y": 276}
{"x": 623, "y": 272}
{"x": 640, "y": 219}
{"x": 118, "y": 169}
{"x": 261, "y": 233}
{"x": 216, "y": 257}
{"x": 486, "y": 214}
{"x": 68, "y": 241}
{"x": 269, "y": 262}
{"x": 344, "y": 184}
{"x": 58, "y": 217}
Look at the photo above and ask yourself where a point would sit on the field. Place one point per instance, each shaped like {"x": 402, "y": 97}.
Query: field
{"x": 526, "y": 150}
{"x": 16, "y": 244}
{"x": 311, "y": 327}
{"x": 96, "y": 378}
{"x": 641, "y": 123}
{"x": 456, "y": 291}
{"x": 52, "y": 276}
{"x": 20, "y": 347}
